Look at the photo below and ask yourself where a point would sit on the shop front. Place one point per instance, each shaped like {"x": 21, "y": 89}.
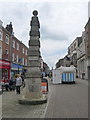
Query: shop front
{"x": 16, "y": 69}
{"x": 5, "y": 67}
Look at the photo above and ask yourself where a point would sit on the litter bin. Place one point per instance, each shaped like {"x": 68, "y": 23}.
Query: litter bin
{"x": 44, "y": 84}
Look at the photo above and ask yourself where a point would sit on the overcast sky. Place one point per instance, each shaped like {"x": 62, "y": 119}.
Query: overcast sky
{"x": 60, "y": 23}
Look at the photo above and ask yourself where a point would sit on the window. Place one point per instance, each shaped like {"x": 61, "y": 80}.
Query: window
{"x": 26, "y": 52}
{"x": 17, "y": 47}
{"x": 0, "y": 52}
{"x": 6, "y": 52}
{"x": 7, "y": 39}
{"x": 0, "y": 35}
{"x": 26, "y": 62}
{"x": 17, "y": 58}
{"x": 74, "y": 45}
{"x": 23, "y": 61}
{"x": 13, "y": 44}
{"x": 72, "y": 48}
{"x": 13, "y": 56}
{"x": 23, "y": 50}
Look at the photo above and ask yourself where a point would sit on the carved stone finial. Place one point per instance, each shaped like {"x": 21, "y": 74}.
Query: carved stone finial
{"x": 35, "y": 12}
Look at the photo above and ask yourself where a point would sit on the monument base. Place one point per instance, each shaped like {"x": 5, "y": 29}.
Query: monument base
{"x": 27, "y": 101}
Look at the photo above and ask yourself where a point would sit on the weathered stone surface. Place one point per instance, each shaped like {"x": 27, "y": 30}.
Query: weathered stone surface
{"x": 34, "y": 87}
{"x": 33, "y": 58}
{"x": 33, "y": 75}
{"x": 32, "y": 93}
{"x": 33, "y": 69}
{"x": 34, "y": 53}
{"x": 34, "y": 43}
{"x": 34, "y": 63}
{"x": 34, "y": 28}
{"x": 37, "y": 101}
{"x": 33, "y": 80}
{"x": 34, "y": 37}
{"x": 34, "y": 72}
{"x": 31, "y": 48}
{"x": 35, "y": 25}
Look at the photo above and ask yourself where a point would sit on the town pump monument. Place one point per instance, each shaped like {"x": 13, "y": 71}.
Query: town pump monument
{"x": 32, "y": 93}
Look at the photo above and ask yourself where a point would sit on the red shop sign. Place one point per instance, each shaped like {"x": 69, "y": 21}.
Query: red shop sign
{"x": 4, "y": 64}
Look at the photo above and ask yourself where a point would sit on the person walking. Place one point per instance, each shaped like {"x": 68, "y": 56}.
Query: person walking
{"x": 23, "y": 82}
{"x": 18, "y": 83}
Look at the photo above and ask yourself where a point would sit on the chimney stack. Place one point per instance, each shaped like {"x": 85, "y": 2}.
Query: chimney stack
{"x": 10, "y": 28}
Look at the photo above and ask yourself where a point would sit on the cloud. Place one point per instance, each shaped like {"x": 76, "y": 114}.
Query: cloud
{"x": 53, "y": 34}
{"x": 52, "y": 51}
{"x": 52, "y": 59}
{"x": 52, "y": 47}
{"x": 34, "y": 1}
{"x": 60, "y": 23}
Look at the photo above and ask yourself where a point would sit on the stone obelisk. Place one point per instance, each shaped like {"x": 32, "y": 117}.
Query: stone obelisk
{"x": 32, "y": 93}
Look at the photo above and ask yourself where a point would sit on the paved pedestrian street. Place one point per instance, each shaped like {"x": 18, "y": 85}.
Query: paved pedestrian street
{"x": 68, "y": 100}
{"x": 64, "y": 101}
{"x": 12, "y": 109}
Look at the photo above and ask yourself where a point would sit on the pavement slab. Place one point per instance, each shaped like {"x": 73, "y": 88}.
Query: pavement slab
{"x": 12, "y": 109}
{"x": 68, "y": 100}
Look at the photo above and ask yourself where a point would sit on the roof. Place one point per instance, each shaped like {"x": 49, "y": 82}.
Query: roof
{"x": 4, "y": 29}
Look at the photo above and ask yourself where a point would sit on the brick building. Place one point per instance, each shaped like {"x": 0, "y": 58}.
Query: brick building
{"x": 14, "y": 53}
{"x": 1, "y": 39}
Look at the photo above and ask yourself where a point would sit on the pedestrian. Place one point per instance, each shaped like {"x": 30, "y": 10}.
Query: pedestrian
{"x": 12, "y": 84}
{"x": 23, "y": 82}
{"x": 18, "y": 83}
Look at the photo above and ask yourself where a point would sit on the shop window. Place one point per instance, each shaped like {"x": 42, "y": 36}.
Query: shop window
{"x": 4, "y": 74}
{"x": 20, "y": 60}
{"x": 7, "y": 39}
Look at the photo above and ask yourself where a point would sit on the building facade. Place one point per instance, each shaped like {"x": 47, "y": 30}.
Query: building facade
{"x": 79, "y": 53}
{"x": 66, "y": 62}
{"x": 14, "y": 54}
{"x": 59, "y": 63}
{"x": 87, "y": 48}
{"x": 81, "y": 61}
{"x": 1, "y": 23}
